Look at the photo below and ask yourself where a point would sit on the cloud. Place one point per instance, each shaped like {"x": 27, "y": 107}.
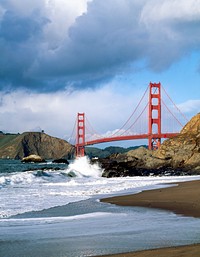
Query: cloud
{"x": 27, "y": 31}
{"x": 19, "y": 39}
{"x": 155, "y": 11}
{"x": 190, "y": 106}
{"x": 172, "y": 27}
{"x": 98, "y": 44}
{"x": 53, "y": 45}
{"x": 106, "y": 109}
{"x": 20, "y": 29}
{"x": 55, "y": 113}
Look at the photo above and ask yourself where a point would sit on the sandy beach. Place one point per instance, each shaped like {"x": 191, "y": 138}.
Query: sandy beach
{"x": 88, "y": 227}
{"x": 180, "y": 251}
{"x": 183, "y": 199}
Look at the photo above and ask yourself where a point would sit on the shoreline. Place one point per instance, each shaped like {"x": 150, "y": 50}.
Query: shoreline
{"x": 105, "y": 229}
{"x": 176, "y": 251}
{"x": 182, "y": 199}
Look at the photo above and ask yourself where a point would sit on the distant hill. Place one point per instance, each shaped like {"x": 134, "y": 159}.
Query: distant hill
{"x": 103, "y": 153}
{"x": 17, "y": 146}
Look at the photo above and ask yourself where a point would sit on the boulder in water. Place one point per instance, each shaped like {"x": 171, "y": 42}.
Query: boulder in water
{"x": 61, "y": 161}
{"x": 33, "y": 158}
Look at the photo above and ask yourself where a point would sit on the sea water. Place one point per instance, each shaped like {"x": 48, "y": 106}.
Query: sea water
{"x": 54, "y": 210}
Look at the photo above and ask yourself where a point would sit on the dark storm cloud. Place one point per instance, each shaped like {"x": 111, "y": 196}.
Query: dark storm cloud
{"x": 19, "y": 37}
{"x": 105, "y": 40}
{"x": 101, "y": 41}
{"x": 18, "y": 29}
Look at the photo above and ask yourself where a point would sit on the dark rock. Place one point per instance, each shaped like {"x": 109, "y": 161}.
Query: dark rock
{"x": 184, "y": 149}
{"x": 176, "y": 156}
{"x": 42, "y": 173}
{"x": 60, "y": 161}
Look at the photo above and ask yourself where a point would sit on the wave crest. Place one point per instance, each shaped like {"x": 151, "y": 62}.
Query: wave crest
{"x": 81, "y": 167}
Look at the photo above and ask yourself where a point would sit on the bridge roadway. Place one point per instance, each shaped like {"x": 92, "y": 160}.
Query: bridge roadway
{"x": 131, "y": 137}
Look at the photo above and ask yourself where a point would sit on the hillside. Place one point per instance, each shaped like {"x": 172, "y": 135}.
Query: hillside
{"x": 183, "y": 151}
{"x": 6, "y": 138}
{"x": 17, "y": 146}
{"x": 103, "y": 153}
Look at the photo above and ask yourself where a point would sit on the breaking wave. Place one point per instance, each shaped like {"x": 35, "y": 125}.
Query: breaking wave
{"x": 81, "y": 167}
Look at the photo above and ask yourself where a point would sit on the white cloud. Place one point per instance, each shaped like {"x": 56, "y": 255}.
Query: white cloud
{"x": 190, "y": 107}
{"x": 62, "y": 14}
{"x": 55, "y": 113}
{"x": 156, "y": 11}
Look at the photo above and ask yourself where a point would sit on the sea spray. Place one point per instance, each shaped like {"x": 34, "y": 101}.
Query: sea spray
{"x": 81, "y": 167}
{"x": 36, "y": 190}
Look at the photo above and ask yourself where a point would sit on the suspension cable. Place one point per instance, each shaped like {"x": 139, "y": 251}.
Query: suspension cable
{"x": 142, "y": 110}
{"x": 73, "y": 131}
{"x": 172, "y": 113}
{"x": 91, "y": 130}
{"x": 175, "y": 104}
{"x": 135, "y": 120}
{"x": 132, "y": 113}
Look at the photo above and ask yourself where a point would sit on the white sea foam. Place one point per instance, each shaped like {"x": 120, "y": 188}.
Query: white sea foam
{"x": 29, "y": 191}
{"x": 17, "y": 178}
{"x": 59, "y": 219}
{"x": 81, "y": 167}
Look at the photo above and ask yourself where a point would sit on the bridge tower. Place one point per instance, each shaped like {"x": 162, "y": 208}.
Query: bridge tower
{"x": 154, "y": 116}
{"x": 154, "y": 124}
{"x": 80, "y": 135}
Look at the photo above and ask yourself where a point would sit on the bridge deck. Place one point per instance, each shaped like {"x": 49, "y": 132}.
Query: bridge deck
{"x": 131, "y": 137}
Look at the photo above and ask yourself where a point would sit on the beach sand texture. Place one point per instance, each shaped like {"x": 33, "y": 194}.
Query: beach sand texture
{"x": 183, "y": 199}
{"x": 179, "y": 251}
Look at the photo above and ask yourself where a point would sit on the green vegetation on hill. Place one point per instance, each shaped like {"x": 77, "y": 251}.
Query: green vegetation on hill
{"x": 103, "y": 153}
{"x": 6, "y": 139}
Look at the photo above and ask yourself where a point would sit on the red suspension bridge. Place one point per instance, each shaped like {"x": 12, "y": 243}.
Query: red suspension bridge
{"x": 152, "y": 114}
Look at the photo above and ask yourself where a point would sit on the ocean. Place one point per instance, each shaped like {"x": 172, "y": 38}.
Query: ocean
{"x": 54, "y": 210}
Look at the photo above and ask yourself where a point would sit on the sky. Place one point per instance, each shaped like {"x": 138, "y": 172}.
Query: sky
{"x": 60, "y": 57}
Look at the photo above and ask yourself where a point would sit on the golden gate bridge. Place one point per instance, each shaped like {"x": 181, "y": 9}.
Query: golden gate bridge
{"x": 154, "y": 111}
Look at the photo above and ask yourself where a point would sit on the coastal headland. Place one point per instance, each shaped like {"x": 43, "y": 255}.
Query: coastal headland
{"x": 176, "y": 156}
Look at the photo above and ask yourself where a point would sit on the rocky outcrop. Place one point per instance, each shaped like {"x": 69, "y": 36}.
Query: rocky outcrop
{"x": 33, "y": 158}
{"x": 140, "y": 162}
{"x": 63, "y": 161}
{"x": 183, "y": 151}
{"x": 178, "y": 155}
{"x": 37, "y": 143}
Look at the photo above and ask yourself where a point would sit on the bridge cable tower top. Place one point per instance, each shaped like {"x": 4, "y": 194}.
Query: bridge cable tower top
{"x": 80, "y": 135}
{"x": 154, "y": 116}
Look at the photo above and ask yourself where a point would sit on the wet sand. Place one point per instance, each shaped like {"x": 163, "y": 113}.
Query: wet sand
{"x": 183, "y": 199}
{"x": 179, "y": 251}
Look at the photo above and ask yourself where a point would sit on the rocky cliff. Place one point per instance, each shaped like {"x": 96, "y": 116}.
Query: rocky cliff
{"x": 178, "y": 155}
{"x": 19, "y": 146}
{"x": 183, "y": 151}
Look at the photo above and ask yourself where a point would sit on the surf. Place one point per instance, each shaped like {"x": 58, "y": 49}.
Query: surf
{"x": 81, "y": 167}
